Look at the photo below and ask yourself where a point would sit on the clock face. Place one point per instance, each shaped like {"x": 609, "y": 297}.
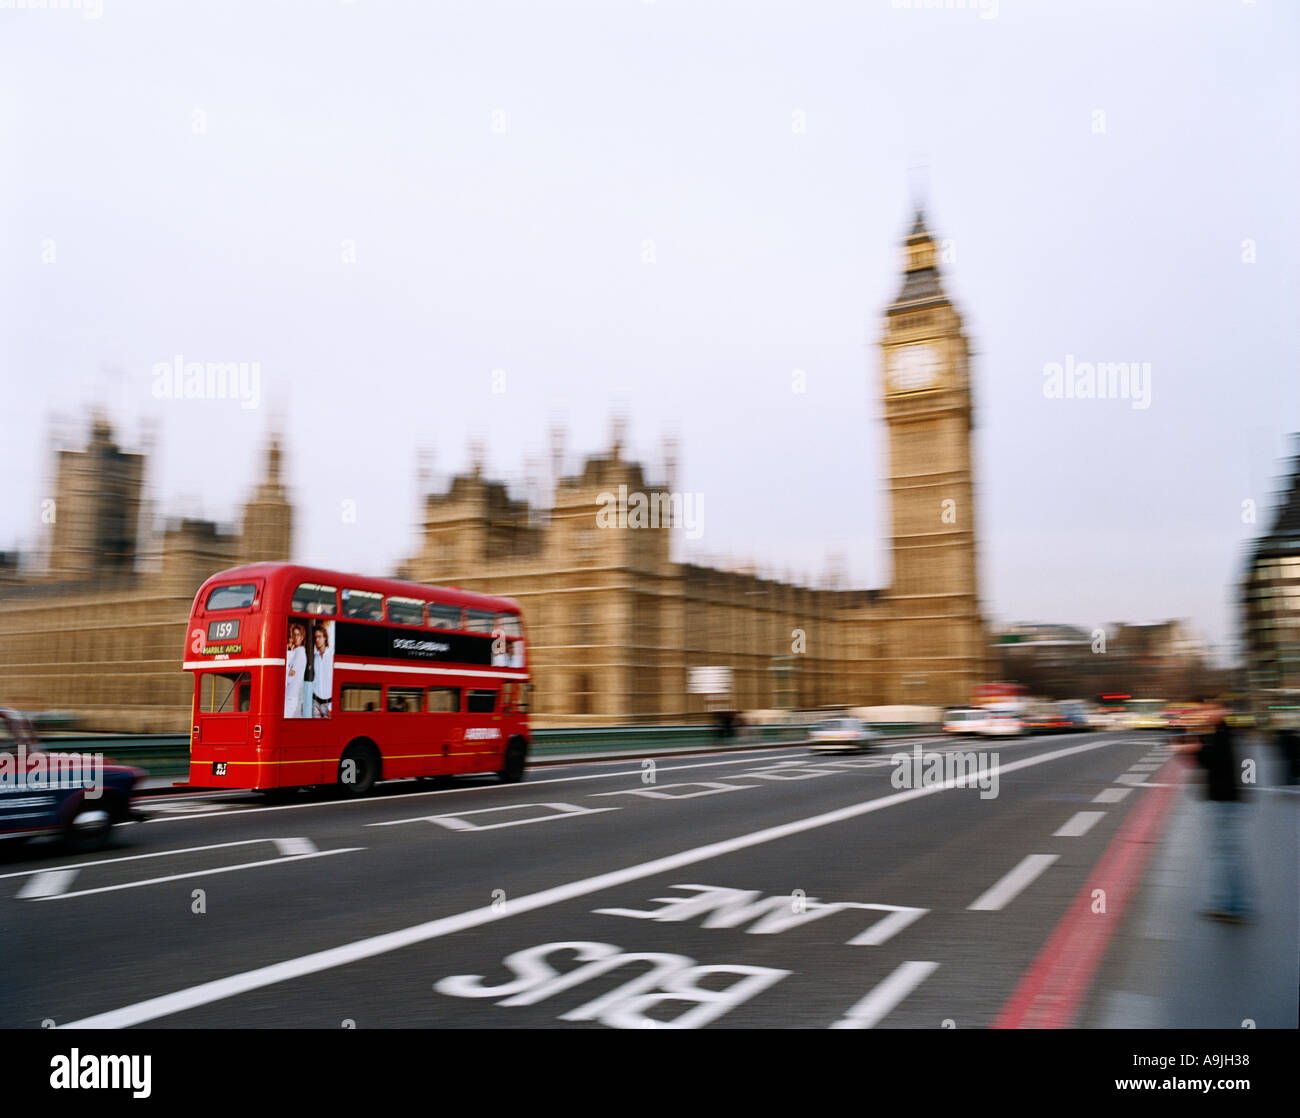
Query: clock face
{"x": 913, "y": 367}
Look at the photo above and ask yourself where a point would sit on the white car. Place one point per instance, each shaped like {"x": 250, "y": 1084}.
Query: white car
{"x": 836, "y": 735}
{"x": 1001, "y": 724}
{"x": 963, "y": 720}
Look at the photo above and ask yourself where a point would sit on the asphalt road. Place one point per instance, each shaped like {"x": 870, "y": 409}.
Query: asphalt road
{"x": 763, "y": 889}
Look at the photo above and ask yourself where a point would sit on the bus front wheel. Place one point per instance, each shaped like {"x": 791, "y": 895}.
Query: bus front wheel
{"x": 512, "y": 771}
{"x": 359, "y": 769}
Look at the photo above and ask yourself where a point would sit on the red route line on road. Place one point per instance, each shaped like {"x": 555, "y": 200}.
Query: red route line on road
{"x": 1049, "y": 994}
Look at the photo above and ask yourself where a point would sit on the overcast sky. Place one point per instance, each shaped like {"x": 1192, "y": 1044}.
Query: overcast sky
{"x": 662, "y": 208}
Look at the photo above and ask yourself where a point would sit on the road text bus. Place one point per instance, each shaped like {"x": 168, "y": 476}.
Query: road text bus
{"x": 305, "y": 676}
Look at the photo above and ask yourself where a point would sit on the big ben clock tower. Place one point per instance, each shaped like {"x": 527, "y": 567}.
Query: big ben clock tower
{"x": 936, "y": 641}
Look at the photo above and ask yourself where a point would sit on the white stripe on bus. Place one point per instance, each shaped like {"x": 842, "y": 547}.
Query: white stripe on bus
{"x": 356, "y": 665}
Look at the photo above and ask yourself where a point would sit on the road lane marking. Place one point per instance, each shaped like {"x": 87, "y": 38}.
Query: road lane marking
{"x": 1079, "y": 824}
{"x": 636, "y": 772}
{"x": 154, "y": 854}
{"x": 1050, "y": 992}
{"x": 1130, "y": 778}
{"x": 786, "y": 772}
{"x": 198, "y": 873}
{"x": 780, "y": 753}
{"x": 46, "y": 883}
{"x": 1009, "y": 887}
{"x": 233, "y": 985}
{"x": 857, "y": 763}
{"x": 173, "y": 807}
{"x": 291, "y": 846}
{"x": 882, "y": 1000}
{"x": 1111, "y": 795}
{"x": 660, "y": 792}
{"x": 455, "y": 821}
{"x": 718, "y": 906}
{"x": 899, "y": 917}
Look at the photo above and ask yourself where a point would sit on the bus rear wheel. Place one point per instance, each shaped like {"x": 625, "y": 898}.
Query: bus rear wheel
{"x": 359, "y": 769}
{"x": 512, "y": 771}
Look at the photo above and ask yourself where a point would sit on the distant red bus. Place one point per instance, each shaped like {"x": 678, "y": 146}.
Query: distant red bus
{"x": 305, "y": 676}
{"x": 999, "y": 694}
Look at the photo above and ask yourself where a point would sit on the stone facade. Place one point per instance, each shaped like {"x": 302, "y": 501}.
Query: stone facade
{"x": 101, "y": 638}
{"x": 615, "y": 625}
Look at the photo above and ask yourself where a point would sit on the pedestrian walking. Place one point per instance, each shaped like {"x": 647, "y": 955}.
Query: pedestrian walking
{"x": 1226, "y": 804}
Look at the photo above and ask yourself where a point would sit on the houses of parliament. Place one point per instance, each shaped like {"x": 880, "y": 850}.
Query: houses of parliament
{"x": 615, "y": 624}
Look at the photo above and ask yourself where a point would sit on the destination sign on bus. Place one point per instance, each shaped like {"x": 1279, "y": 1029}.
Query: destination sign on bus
{"x": 223, "y": 630}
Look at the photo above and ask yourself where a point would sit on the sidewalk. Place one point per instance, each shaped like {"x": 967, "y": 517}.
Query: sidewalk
{"x": 1172, "y": 968}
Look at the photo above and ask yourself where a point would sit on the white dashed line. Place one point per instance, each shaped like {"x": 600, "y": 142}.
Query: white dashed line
{"x": 882, "y": 1000}
{"x": 1009, "y": 887}
{"x": 1079, "y": 824}
{"x": 205, "y": 993}
{"x": 47, "y": 883}
{"x": 1111, "y": 795}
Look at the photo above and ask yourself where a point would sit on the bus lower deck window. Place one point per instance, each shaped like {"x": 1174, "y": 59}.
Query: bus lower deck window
{"x": 444, "y": 700}
{"x": 405, "y": 700}
{"x": 224, "y": 692}
{"x": 482, "y": 702}
{"x": 356, "y": 697}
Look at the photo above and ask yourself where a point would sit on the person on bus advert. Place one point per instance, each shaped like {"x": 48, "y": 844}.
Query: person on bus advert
{"x": 309, "y": 676}
{"x": 295, "y": 665}
{"x": 324, "y": 664}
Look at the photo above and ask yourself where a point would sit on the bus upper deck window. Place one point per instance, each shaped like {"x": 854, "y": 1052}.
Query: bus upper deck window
{"x": 311, "y": 597}
{"x": 480, "y": 621}
{"x": 363, "y": 604}
{"x": 406, "y": 611}
{"x": 444, "y": 617}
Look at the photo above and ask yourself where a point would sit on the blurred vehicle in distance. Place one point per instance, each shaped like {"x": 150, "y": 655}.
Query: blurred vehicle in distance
{"x": 46, "y": 720}
{"x": 1146, "y": 714}
{"x": 839, "y": 735}
{"x": 1077, "y": 715}
{"x": 1239, "y": 715}
{"x": 1044, "y": 718}
{"x": 1186, "y": 716}
{"x": 1057, "y": 718}
{"x": 77, "y": 796}
{"x": 962, "y": 720}
{"x": 1110, "y": 712}
{"x": 1001, "y": 722}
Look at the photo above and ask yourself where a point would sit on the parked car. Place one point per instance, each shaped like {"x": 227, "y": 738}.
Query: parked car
{"x": 837, "y": 735}
{"x": 77, "y": 796}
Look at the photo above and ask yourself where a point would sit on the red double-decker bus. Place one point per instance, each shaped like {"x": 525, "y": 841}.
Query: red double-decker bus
{"x": 305, "y": 676}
